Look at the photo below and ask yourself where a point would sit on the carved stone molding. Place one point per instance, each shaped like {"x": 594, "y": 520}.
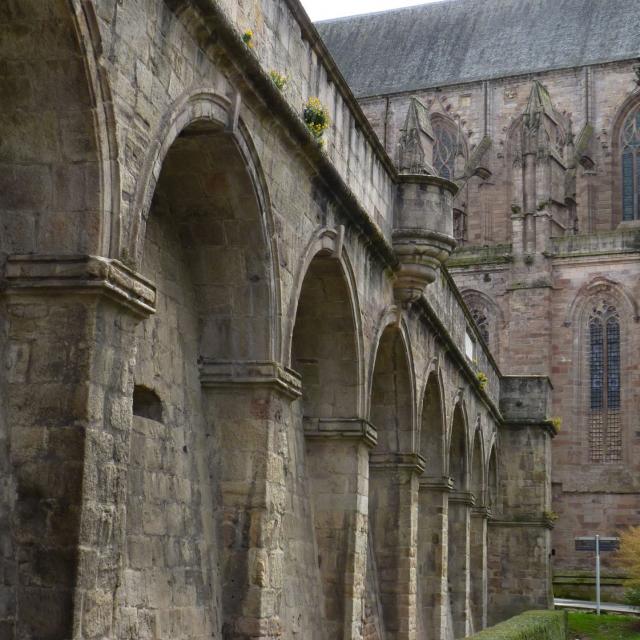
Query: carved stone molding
{"x": 48, "y": 275}
{"x": 226, "y": 375}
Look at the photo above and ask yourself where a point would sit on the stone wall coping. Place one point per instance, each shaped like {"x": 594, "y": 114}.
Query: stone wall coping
{"x": 412, "y": 461}
{"x": 217, "y": 374}
{"x": 341, "y": 429}
{"x": 79, "y": 274}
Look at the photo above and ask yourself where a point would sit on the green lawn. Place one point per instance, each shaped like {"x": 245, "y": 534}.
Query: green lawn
{"x": 589, "y": 626}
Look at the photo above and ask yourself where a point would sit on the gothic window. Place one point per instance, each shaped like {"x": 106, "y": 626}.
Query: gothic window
{"x": 445, "y": 149}
{"x": 605, "y": 432}
{"x": 630, "y": 144}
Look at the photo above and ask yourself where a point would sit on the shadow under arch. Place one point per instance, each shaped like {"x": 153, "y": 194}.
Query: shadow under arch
{"x": 202, "y": 236}
{"x": 393, "y": 470}
{"x": 459, "y": 522}
{"x": 207, "y": 166}
{"x": 330, "y": 439}
{"x": 432, "y": 512}
{"x": 478, "y": 533}
{"x": 58, "y": 138}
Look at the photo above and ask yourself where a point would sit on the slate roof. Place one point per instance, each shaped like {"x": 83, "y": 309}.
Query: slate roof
{"x": 458, "y": 41}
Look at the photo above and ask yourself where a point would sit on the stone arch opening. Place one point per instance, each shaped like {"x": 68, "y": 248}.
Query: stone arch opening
{"x": 323, "y": 347}
{"x": 432, "y": 503}
{"x": 478, "y": 543}
{"x": 204, "y": 248}
{"x": 459, "y": 523}
{"x": 393, "y": 479}
{"x": 50, "y": 189}
{"x": 331, "y": 444}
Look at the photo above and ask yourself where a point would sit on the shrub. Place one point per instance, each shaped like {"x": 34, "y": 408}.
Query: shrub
{"x": 628, "y": 558}
{"x": 278, "y": 79}
{"x": 531, "y": 625}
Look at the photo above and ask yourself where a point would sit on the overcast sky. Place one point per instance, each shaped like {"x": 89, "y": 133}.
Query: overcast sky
{"x": 324, "y": 9}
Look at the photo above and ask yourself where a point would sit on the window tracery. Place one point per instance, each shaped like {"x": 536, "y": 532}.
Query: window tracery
{"x": 630, "y": 145}
{"x": 482, "y": 322}
{"x": 605, "y": 430}
{"x": 445, "y": 149}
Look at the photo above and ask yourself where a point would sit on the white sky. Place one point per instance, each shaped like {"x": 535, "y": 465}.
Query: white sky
{"x": 324, "y": 9}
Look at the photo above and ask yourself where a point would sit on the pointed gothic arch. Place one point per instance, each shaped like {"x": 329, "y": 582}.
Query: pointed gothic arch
{"x": 602, "y": 318}
{"x": 625, "y": 161}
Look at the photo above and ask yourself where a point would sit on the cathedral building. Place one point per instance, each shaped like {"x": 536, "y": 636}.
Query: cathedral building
{"x": 532, "y": 107}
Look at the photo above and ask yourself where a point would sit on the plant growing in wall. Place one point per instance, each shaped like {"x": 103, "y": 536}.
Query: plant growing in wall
{"x": 556, "y": 423}
{"x": 316, "y": 117}
{"x": 628, "y": 558}
{"x": 247, "y": 38}
{"x": 278, "y": 79}
{"x": 481, "y": 376}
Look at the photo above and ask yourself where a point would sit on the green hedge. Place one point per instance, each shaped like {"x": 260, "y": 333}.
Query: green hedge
{"x": 532, "y": 625}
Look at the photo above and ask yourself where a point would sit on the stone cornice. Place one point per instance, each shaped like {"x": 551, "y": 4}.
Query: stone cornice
{"x": 340, "y": 429}
{"x": 44, "y": 275}
{"x": 215, "y": 374}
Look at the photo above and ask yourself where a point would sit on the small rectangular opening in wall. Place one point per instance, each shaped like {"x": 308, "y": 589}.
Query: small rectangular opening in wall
{"x": 469, "y": 345}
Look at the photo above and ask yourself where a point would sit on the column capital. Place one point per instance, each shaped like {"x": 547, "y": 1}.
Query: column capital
{"x": 412, "y": 461}
{"x": 43, "y": 275}
{"x": 340, "y": 429}
{"x": 238, "y": 374}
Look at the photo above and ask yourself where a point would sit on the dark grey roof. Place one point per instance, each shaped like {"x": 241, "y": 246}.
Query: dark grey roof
{"x": 459, "y": 41}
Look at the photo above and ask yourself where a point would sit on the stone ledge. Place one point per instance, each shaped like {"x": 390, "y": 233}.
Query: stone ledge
{"x": 266, "y": 373}
{"x": 462, "y": 497}
{"x": 541, "y": 523}
{"x": 341, "y": 429}
{"x": 79, "y": 274}
{"x": 411, "y": 461}
{"x": 436, "y": 483}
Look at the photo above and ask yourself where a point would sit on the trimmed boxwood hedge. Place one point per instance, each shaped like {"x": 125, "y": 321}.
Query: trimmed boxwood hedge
{"x": 531, "y": 625}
